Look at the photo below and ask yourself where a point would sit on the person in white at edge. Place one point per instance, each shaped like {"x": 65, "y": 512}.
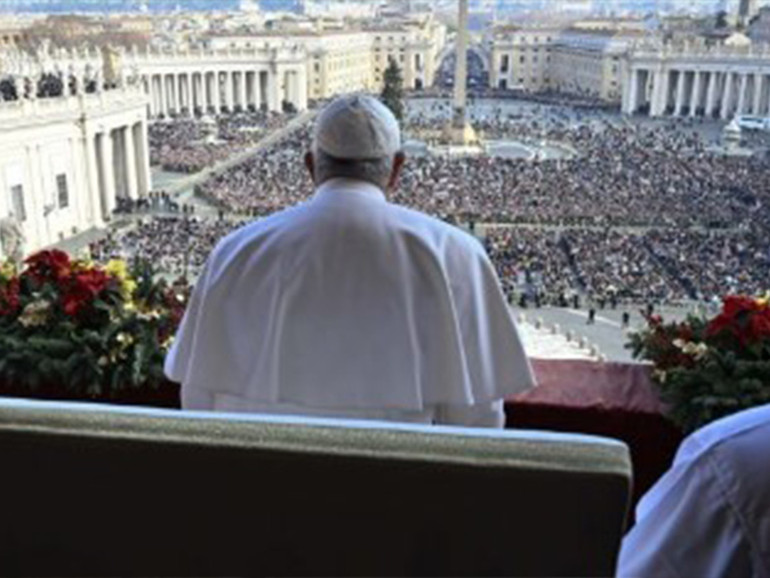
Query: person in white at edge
{"x": 709, "y": 515}
{"x": 348, "y": 305}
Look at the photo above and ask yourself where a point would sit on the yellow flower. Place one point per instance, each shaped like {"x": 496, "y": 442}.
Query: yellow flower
{"x": 127, "y": 288}
{"x": 83, "y": 265}
{"x": 7, "y": 270}
{"x": 117, "y": 268}
{"x": 764, "y": 301}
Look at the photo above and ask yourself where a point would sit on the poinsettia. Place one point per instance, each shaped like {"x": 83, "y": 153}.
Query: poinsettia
{"x": 94, "y": 330}
{"x": 47, "y": 266}
{"x": 706, "y": 369}
{"x": 745, "y": 318}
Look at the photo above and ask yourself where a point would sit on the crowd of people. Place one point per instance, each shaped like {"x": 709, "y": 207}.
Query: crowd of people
{"x": 621, "y": 177}
{"x": 610, "y": 265}
{"x": 189, "y": 145}
{"x": 642, "y": 213}
{"x": 177, "y": 246}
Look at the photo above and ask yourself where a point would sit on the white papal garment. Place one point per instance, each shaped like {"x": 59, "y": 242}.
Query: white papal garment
{"x": 350, "y": 306}
{"x": 709, "y": 516}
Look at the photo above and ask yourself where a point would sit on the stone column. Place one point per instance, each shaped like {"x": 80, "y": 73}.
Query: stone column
{"x": 697, "y": 90}
{"x": 108, "y": 175}
{"x": 727, "y": 97}
{"x": 759, "y": 88}
{"x": 461, "y": 71}
{"x": 301, "y": 75}
{"x": 680, "y": 87}
{"x": 229, "y": 101}
{"x": 172, "y": 96}
{"x": 144, "y": 174}
{"x": 129, "y": 156}
{"x": 184, "y": 95}
{"x": 273, "y": 103}
{"x": 150, "y": 89}
{"x": 711, "y": 94}
{"x": 659, "y": 93}
{"x": 632, "y": 101}
{"x": 742, "y": 95}
{"x": 205, "y": 87}
{"x": 96, "y": 213}
{"x": 216, "y": 94}
{"x": 195, "y": 94}
{"x": 161, "y": 94}
{"x": 254, "y": 84}
{"x": 242, "y": 90}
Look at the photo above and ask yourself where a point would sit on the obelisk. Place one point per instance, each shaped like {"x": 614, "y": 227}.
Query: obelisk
{"x": 462, "y": 132}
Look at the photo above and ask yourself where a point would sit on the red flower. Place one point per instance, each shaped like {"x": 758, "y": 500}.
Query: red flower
{"x": 51, "y": 265}
{"x": 737, "y": 304}
{"x": 80, "y": 290}
{"x": 9, "y": 297}
{"x": 747, "y": 319}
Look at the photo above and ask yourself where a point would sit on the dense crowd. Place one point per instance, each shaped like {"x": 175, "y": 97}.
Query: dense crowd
{"x": 176, "y": 246}
{"x": 189, "y": 145}
{"x": 621, "y": 177}
{"x": 640, "y": 213}
{"x": 653, "y": 266}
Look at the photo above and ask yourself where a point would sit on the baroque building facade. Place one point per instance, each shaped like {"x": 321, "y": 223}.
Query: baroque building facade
{"x": 65, "y": 161}
{"x": 694, "y": 79}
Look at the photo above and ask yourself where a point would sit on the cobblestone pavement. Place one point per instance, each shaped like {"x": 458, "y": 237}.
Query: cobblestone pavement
{"x": 607, "y": 333}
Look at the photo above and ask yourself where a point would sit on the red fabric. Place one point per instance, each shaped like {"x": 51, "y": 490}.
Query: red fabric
{"x": 579, "y": 383}
{"x": 608, "y": 399}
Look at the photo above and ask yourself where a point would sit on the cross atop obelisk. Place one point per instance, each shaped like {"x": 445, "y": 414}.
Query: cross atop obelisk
{"x": 462, "y": 132}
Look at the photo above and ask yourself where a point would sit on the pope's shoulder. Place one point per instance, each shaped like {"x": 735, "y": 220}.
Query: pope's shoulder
{"x": 441, "y": 236}
{"x": 439, "y": 232}
{"x": 256, "y": 230}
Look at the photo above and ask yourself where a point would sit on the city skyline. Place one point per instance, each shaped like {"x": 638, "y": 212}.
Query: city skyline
{"x": 606, "y": 7}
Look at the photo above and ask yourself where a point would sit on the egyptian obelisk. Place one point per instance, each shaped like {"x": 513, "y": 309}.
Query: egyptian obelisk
{"x": 462, "y": 132}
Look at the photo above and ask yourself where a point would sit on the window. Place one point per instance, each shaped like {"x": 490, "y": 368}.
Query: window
{"x": 522, "y": 59}
{"x": 506, "y": 63}
{"x": 17, "y": 200}
{"x": 62, "y": 192}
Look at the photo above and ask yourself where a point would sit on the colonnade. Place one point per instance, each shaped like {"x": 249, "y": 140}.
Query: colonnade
{"x": 230, "y": 89}
{"x": 118, "y": 159}
{"x": 718, "y": 90}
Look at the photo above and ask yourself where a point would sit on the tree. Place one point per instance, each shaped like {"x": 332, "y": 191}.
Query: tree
{"x": 393, "y": 90}
{"x": 721, "y": 19}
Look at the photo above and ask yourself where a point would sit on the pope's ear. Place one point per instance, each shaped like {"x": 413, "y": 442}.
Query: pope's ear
{"x": 310, "y": 164}
{"x": 398, "y": 165}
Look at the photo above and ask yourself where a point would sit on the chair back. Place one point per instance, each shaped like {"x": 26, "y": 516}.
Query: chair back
{"x": 94, "y": 490}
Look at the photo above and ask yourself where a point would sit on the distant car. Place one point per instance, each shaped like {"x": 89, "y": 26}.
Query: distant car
{"x": 754, "y": 123}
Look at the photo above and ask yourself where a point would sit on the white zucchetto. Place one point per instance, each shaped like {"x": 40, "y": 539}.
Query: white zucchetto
{"x": 357, "y": 127}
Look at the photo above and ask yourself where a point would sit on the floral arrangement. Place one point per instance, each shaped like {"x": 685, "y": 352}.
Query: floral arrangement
{"x": 706, "y": 369}
{"x": 74, "y": 329}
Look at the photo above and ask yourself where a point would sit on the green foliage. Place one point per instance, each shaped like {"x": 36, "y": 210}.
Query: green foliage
{"x": 393, "y": 90}
{"x": 708, "y": 369}
{"x": 80, "y": 331}
{"x": 721, "y": 19}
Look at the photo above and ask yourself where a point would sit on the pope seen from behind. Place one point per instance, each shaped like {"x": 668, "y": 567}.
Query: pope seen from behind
{"x": 348, "y": 305}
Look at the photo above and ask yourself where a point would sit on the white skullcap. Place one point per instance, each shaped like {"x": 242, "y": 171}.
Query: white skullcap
{"x": 357, "y": 127}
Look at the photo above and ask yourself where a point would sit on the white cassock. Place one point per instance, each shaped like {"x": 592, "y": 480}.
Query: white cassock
{"x": 709, "y": 516}
{"x": 350, "y": 306}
